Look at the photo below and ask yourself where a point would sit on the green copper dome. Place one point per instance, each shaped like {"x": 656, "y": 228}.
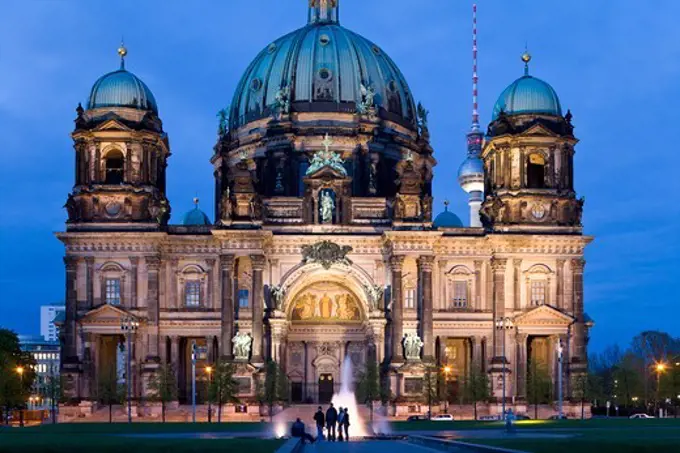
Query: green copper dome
{"x": 447, "y": 219}
{"x": 121, "y": 88}
{"x": 527, "y": 95}
{"x": 195, "y": 216}
{"x": 322, "y": 67}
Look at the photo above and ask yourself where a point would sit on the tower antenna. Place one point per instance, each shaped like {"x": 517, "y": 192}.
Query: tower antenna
{"x": 475, "y": 78}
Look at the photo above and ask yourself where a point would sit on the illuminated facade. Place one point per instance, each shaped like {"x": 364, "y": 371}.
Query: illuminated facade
{"x": 323, "y": 245}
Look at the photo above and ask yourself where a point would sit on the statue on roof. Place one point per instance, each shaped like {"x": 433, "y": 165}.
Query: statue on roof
{"x": 223, "y": 122}
{"x": 367, "y": 104}
{"x": 422, "y": 117}
{"x": 326, "y": 158}
{"x": 282, "y": 101}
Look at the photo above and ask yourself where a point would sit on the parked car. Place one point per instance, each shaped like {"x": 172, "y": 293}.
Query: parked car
{"x": 442, "y": 418}
{"x": 488, "y": 418}
{"x": 557, "y": 417}
{"x": 416, "y": 418}
{"x": 641, "y": 416}
{"x": 522, "y": 417}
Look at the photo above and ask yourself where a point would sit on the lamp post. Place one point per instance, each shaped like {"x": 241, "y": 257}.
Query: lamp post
{"x": 20, "y": 371}
{"x": 447, "y": 371}
{"x": 128, "y": 326}
{"x": 502, "y": 324}
{"x": 659, "y": 368}
{"x": 209, "y": 370}
{"x": 193, "y": 381}
{"x": 560, "y": 350}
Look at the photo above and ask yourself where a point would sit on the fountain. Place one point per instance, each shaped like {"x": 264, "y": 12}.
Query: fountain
{"x": 345, "y": 398}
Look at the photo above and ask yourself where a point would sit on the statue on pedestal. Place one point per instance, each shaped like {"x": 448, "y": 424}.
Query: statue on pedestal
{"x": 412, "y": 346}
{"x": 241, "y": 346}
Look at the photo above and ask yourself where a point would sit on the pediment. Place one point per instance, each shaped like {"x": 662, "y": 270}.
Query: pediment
{"x": 545, "y": 315}
{"x": 106, "y": 314}
{"x": 328, "y": 171}
{"x": 113, "y": 125}
{"x": 540, "y": 130}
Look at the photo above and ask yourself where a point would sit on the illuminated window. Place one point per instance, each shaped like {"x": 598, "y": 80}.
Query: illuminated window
{"x": 410, "y": 299}
{"x": 112, "y": 286}
{"x": 460, "y": 295}
{"x": 537, "y": 292}
{"x": 192, "y": 294}
{"x": 243, "y": 298}
{"x": 536, "y": 171}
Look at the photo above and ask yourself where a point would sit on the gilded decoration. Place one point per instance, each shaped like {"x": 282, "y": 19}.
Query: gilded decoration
{"x": 326, "y": 253}
{"x": 326, "y": 303}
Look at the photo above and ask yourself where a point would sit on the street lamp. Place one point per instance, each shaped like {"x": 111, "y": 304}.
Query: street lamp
{"x": 502, "y": 324}
{"x": 660, "y": 367}
{"x": 447, "y": 372}
{"x": 193, "y": 381}
{"x": 209, "y": 370}
{"x": 20, "y": 371}
{"x": 560, "y": 350}
{"x": 129, "y": 326}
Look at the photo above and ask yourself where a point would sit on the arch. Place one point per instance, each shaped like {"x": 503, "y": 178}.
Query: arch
{"x": 536, "y": 165}
{"x": 539, "y": 269}
{"x": 112, "y": 266}
{"x": 459, "y": 269}
{"x": 192, "y": 269}
{"x": 114, "y": 166}
{"x": 302, "y": 276}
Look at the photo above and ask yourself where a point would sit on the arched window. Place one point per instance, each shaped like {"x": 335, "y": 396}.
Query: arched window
{"x": 114, "y": 167}
{"x": 536, "y": 171}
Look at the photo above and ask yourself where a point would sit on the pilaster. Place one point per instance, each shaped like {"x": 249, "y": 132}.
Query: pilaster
{"x": 227, "y": 306}
{"x": 258, "y": 263}
{"x": 396, "y": 266}
{"x": 425, "y": 264}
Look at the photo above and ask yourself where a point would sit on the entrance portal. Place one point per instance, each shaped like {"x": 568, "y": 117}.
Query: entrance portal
{"x": 325, "y": 388}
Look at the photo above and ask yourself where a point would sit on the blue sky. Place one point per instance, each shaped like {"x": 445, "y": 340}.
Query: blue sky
{"x": 616, "y": 65}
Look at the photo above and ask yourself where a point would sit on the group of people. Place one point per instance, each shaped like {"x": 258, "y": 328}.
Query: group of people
{"x": 330, "y": 420}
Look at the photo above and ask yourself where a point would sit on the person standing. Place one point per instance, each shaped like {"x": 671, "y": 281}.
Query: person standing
{"x": 345, "y": 424}
{"x": 320, "y": 420}
{"x": 331, "y": 420}
{"x": 341, "y": 416}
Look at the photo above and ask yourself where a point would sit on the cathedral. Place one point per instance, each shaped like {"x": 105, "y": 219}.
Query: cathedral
{"x": 324, "y": 246}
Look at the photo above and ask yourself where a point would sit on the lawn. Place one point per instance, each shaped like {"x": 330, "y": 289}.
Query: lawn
{"x": 577, "y": 425}
{"x": 109, "y": 438}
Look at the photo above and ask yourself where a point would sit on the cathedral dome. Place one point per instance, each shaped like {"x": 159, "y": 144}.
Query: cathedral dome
{"x": 447, "y": 219}
{"x": 195, "y": 216}
{"x": 527, "y": 95}
{"x": 323, "y": 67}
{"x": 121, "y": 88}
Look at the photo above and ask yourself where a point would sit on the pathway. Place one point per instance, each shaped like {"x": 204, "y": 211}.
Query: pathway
{"x": 367, "y": 446}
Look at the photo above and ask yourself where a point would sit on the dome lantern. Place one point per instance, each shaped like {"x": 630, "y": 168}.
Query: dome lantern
{"x": 323, "y": 11}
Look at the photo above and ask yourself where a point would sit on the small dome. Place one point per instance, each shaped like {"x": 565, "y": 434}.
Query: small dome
{"x": 196, "y": 217}
{"x": 527, "y": 95}
{"x": 121, "y": 88}
{"x": 447, "y": 219}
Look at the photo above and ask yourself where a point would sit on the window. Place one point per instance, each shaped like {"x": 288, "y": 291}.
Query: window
{"x": 536, "y": 172}
{"x": 537, "y": 292}
{"x": 112, "y": 291}
{"x": 114, "y": 167}
{"x": 410, "y": 299}
{"x": 459, "y": 299}
{"x": 243, "y": 298}
{"x": 192, "y": 294}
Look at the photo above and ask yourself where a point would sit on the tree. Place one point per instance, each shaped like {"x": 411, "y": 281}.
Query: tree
{"x": 586, "y": 387}
{"x": 53, "y": 391}
{"x": 223, "y": 387}
{"x": 15, "y": 386}
{"x": 476, "y": 387}
{"x": 275, "y": 387}
{"x": 539, "y": 385}
{"x": 163, "y": 386}
{"x": 431, "y": 383}
{"x": 368, "y": 387}
{"x": 110, "y": 390}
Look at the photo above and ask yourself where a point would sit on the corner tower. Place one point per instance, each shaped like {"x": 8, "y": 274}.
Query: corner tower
{"x": 121, "y": 153}
{"x": 528, "y": 161}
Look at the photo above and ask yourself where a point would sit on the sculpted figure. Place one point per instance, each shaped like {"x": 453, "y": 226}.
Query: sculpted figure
{"x": 412, "y": 346}
{"x": 241, "y": 345}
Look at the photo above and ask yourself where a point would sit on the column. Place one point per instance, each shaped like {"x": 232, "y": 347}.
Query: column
{"x": 477, "y": 359}
{"x": 425, "y": 272}
{"x": 498, "y": 270}
{"x": 478, "y": 285}
{"x": 89, "y": 282}
{"x": 560, "y": 284}
{"x": 174, "y": 301}
{"x": 152, "y": 304}
{"x": 70, "y": 353}
{"x": 209, "y": 302}
{"x": 579, "y": 354}
{"x": 173, "y": 360}
{"x": 258, "y": 263}
{"x": 134, "y": 267}
{"x": 227, "y": 306}
{"x": 396, "y": 265}
{"x": 517, "y": 303}
{"x": 521, "y": 341}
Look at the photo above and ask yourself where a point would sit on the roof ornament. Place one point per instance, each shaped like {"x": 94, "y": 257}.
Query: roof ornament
{"x": 367, "y": 104}
{"x": 282, "y": 101}
{"x": 323, "y": 11}
{"x": 223, "y": 122}
{"x": 122, "y": 51}
{"x": 326, "y": 158}
{"x": 526, "y": 58}
{"x": 196, "y": 202}
{"x": 446, "y": 205}
{"x": 423, "y": 113}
